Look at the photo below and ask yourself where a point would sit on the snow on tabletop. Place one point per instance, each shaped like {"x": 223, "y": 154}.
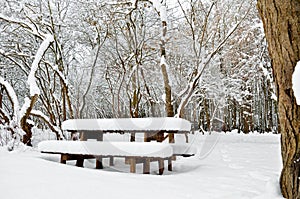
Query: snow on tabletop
{"x": 107, "y": 148}
{"x": 296, "y": 82}
{"x": 128, "y": 124}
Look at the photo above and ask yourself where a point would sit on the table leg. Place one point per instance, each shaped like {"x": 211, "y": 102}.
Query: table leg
{"x": 170, "y": 164}
{"x": 111, "y": 161}
{"x": 63, "y": 159}
{"x": 79, "y": 162}
{"x": 99, "y": 164}
{"x": 146, "y": 166}
{"x": 161, "y": 166}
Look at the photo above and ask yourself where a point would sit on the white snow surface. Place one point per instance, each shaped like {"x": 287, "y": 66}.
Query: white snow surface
{"x": 237, "y": 167}
{"x": 296, "y": 82}
{"x": 129, "y": 124}
{"x": 183, "y": 148}
{"x": 107, "y": 148}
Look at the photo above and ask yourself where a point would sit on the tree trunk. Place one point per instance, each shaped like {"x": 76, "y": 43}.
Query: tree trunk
{"x": 26, "y": 127}
{"x": 168, "y": 91}
{"x": 207, "y": 115}
{"x": 1, "y": 95}
{"x": 281, "y": 19}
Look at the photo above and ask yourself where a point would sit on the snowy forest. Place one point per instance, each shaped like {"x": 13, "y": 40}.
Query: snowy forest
{"x": 99, "y": 59}
{"x": 109, "y": 85}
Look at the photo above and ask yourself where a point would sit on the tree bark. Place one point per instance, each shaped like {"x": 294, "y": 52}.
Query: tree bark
{"x": 168, "y": 90}
{"x": 281, "y": 19}
{"x": 25, "y": 125}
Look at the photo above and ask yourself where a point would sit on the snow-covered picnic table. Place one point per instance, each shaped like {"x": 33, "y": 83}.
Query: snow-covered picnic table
{"x": 133, "y": 152}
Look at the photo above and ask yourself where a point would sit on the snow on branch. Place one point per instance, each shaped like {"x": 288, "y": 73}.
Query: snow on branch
{"x": 46, "y": 119}
{"x": 34, "y": 90}
{"x": 13, "y": 97}
{"x": 59, "y": 73}
{"x": 30, "y": 27}
{"x": 47, "y": 40}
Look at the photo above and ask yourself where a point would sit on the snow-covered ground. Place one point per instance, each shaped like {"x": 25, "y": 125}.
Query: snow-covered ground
{"x": 229, "y": 166}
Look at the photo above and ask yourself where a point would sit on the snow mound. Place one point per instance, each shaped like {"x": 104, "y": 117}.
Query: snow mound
{"x": 183, "y": 149}
{"x": 272, "y": 190}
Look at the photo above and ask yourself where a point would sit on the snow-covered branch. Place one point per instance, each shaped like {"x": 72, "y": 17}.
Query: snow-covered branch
{"x": 28, "y": 26}
{"x": 34, "y": 90}
{"x": 46, "y": 119}
{"x": 190, "y": 88}
{"x": 13, "y": 98}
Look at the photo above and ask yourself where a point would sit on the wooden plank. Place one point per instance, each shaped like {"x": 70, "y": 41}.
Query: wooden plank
{"x": 146, "y": 137}
{"x": 97, "y": 135}
{"x": 138, "y": 160}
{"x": 161, "y": 166}
{"x": 132, "y": 160}
{"x": 160, "y": 136}
{"x": 132, "y": 165}
{"x": 146, "y": 166}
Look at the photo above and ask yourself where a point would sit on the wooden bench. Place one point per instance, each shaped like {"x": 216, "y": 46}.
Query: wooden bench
{"x": 133, "y": 152}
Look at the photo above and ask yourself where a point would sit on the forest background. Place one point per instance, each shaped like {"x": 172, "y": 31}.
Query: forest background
{"x": 205, "y": 61}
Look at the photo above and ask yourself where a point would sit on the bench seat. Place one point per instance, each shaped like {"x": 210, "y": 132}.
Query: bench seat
{"x": 133, "y": 152}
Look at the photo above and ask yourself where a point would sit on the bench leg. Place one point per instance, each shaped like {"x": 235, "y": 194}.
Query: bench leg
{"x": 79, "y": 162}
{"x": 146, "y": 166}
{"x": 63, "y": 159}
{"x": 170, "y": 164}
{"x": 161, "y": 166}
{"x": 99, "y": 164}
{"x": 111, "y": 161}
{"x": 132, "y": 165}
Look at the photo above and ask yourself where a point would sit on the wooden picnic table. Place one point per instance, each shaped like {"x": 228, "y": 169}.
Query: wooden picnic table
{"x": 157, "y": 129}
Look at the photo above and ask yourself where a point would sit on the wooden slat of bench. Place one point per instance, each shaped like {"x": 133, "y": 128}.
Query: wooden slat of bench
{"x": 132, "y": 160}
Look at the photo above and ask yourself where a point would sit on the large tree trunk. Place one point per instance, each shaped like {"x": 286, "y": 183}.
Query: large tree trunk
{"x": 168, "y": 91}
{"x": 281, "y": 19}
